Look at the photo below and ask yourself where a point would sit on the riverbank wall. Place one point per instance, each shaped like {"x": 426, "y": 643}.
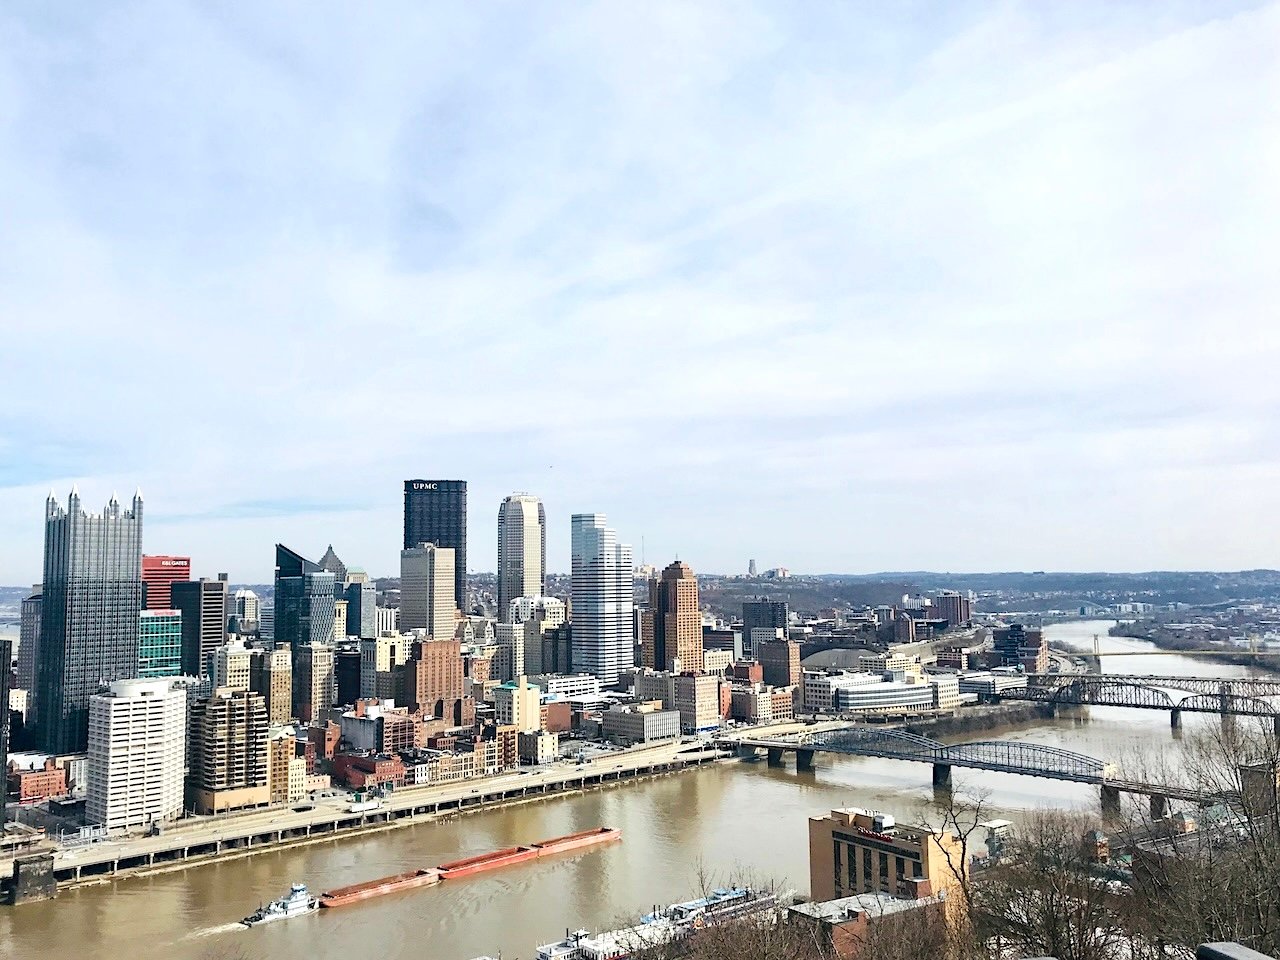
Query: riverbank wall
{"x": 974, "y": 719}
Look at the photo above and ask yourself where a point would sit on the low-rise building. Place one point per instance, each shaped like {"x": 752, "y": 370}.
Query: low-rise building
{"x": 557, "y": 715}
{"x": 989, "y": 684}
{"x": 659, "y": 685}
{"x": 946, "y": 691}
{"x": 518, "y": 705}
{"x": 889, "y": 663}
{"x": 538, "y": 747}
{"x": 35, "y": 777}
{"x": 819, "y": 688}
{"x": 856, "y": 851}
{"x": 717, "y": 661}
{"x": 697, "y": 700}
{"x": 751, "y": 703}
{"x": 568, "y": 685}
{"x": 783, "y": 703}
{"x": 633, "y": 724}
{"x": 444, "y": 766}
{"x": 324, "y": 738}
{"x": 368, "y": 771}
{"x": 846, "y": 926}
{"x": 377, "y": 726}
{"x": 885, "y": 697}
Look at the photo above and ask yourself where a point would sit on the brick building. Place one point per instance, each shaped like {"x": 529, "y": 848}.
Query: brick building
{"x": 31, "y": 783}
{"x": 368, "y": 771}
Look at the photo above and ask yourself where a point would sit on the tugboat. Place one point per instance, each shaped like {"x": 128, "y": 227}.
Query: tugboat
{"x": 298, "y": 902}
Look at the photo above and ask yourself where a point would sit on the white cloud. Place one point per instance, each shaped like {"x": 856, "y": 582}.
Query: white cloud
{"x": 881, "y": 284}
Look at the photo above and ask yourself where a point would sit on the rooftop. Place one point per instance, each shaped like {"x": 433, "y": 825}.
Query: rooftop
{"x": 874, "y": 904}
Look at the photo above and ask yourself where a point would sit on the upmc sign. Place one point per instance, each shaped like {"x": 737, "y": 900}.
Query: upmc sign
{"x": 426, "y": 486}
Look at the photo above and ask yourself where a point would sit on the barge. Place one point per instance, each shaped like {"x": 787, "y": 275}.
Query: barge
{"x": 342, "y": 896}
{"x": 575, "y": 841}
{"x": 506, "y": 857}
{"x": 512, "y": 855}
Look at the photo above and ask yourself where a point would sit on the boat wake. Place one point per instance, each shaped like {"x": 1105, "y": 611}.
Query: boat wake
{"x": 212, "y": 931}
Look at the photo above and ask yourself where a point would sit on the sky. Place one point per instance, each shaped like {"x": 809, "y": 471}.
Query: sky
{"x": 841, "y": 287}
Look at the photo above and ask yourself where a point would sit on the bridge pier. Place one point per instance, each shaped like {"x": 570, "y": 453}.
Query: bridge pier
{"x": 1175, "y": 719}
{"x": 804, "y": 760}
{"x": 1159, "y": 806}
{"x": 1110, "y": 801}
{"x": 942, "y": 778}
{"x": 746, "y": 752}
{"x": 775, "y": 756}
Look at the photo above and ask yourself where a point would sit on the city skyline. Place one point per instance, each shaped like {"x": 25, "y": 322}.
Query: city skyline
{"x": 1001, "y": 271}
{"x": 203, "y": 570}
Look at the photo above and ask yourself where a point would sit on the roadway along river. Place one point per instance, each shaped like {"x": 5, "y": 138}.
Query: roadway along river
{"x": 729, "y": 818}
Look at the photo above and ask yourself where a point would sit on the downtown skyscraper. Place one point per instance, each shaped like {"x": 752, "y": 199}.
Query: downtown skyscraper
{"x": 522, "y": 550}
{"x": 602, "y": 599}
{"x": 426, "y": 590}
{"x": 764, "y": 615}
{"x": 673, "y": 622}
{"x": 91, "y": 601}
{"x": 435, "y": 511}
{"x": 305, "y": 597}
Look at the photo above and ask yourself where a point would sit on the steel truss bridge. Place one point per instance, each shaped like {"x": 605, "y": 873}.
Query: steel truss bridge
{"x": 1001, "y": 756}
{"x": 1228, "y": 697}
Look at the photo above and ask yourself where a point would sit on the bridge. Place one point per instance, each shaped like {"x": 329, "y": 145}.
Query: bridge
{"x": 1244, "y": 697}
{"x": 1000, "y": 756}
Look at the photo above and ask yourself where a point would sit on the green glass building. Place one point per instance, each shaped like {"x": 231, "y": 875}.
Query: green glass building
{"x": 160, "y": 643}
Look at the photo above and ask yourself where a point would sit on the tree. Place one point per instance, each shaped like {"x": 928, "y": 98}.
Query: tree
{"x": 1046, "y": 898}
{"x": 1218, "y": 880}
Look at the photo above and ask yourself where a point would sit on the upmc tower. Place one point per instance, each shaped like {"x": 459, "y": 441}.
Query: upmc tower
{"x": 435, "y": 511}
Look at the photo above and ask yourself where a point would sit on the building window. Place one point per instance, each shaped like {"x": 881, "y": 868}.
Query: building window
{"x": 884, "y": 869}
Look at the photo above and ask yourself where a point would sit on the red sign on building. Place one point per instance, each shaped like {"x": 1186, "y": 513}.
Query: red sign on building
{"x": 157, "y": 575}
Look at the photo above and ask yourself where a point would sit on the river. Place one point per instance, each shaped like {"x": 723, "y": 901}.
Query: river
{"x": 728, "y": 819}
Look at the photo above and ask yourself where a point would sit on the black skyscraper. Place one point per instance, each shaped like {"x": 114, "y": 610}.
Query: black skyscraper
{"x": 206, "y": 605}
{"x": 766, "y": 613}
{"x": 435, "y": 511}
{"x": 6, "y": 657}
{"x": 89, "y": 615}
